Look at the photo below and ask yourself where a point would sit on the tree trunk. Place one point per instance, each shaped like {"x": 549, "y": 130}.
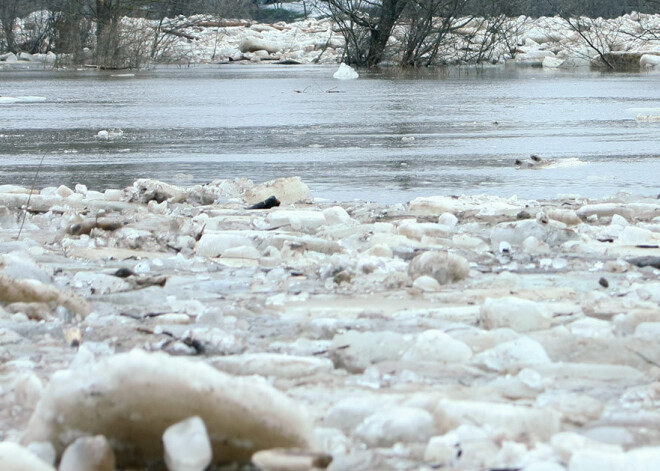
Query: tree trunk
{"x": 8, "y": 13}
{"x": 107, "y": 34}
{"x": 376, "y": 47}
{"x": 389, "y": 14}
{"x": 8, "y": 28}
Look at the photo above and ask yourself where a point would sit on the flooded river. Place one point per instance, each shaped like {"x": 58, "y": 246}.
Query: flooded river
{"x": 386, "y": 137}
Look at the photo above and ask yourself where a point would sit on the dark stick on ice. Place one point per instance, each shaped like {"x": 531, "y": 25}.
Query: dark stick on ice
{"x": 268, "y": 203}
{"x": 27, "y": 205}
{"x": 123, "y": 272}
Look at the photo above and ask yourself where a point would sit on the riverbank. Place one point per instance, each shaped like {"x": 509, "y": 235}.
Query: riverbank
{"x": 625, "y": 43}
{"x": 471, "y": 332}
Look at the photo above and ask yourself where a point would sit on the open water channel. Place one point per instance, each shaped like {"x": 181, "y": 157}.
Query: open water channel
{"x": 346, "y": 139}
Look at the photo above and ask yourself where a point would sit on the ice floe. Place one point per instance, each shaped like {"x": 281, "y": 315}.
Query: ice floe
{"x": 469, "y": 332}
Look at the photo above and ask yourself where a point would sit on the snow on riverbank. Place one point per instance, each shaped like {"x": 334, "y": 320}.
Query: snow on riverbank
{"x": 466, "y": 332}
{"x": 627, "y": 41}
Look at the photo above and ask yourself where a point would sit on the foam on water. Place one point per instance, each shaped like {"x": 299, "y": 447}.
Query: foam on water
{"x": 21, "y": 99}
{"x": 643, "y": 111}
{"x": 31, "y": 99}
{"x": 567, "y": 163}
{"x": 601, "y": 178}
{"x": 649, "y": 118}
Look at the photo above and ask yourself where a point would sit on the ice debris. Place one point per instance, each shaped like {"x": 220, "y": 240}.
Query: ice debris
{"x": 154, "y": 391}
{"x": 469, "y": 332}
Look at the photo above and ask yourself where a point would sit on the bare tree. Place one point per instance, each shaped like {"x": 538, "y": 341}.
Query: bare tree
{"x": 71, "y": 32}
{"x": 592, "y": 35}
{"x": 426, "y": 32}
{"x": 500, "y": 29}
{"x": 367, "y": 26}
{"x": 9, "y": 11}
{"x": 646, "y": 28}
{"x": 354, "y": 28}
{"x": 429, "y": 24}
{"x": 108, "y": 14}
{"x": 600, "y": 28}
{"x": 34, "y": 30}
{"x": 167, "y": 31}
{"x": 510, "y": 33}
{"x": 125, "y": 37}
{"x": 483, "y": 45}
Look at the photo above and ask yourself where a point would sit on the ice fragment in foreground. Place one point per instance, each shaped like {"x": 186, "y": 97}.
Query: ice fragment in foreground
{"x": 187, "y": 446}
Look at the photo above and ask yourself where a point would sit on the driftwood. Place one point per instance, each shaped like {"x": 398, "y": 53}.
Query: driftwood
{"x": 86, "y": 226}
{"x": 180, "y": 34}
{"x": 323, "y": 49}
{"x": 281, "y": 28}
{"x": 289, "y": 62}
{"x": 291, "y": 458}
{"x": 33, "y": 291}
{"x": 234, "y": 23}
{"x": 223, "y": 23}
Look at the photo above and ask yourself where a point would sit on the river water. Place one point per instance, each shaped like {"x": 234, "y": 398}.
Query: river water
{"x": 346, "y": 139}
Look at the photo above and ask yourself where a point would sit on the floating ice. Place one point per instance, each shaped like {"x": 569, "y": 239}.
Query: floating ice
{"x": 567, "y": 163}
{"x": 113, "y": 134}
{"x": 345, "y": 72}
{"x": 21, "y": 99}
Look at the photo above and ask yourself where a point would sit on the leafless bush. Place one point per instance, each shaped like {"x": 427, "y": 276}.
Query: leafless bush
{"x": 510, "y": 33}
{"x": 483, "y": 44}
{"x": 30, "y": 34}
{"x": 430, "y": 22}
{"x": 647, "y": 28}
{"x": 352, "y": 20}
{"x": 367, "y": 26}
{"x": 425, "y": 32}
{"x": 600, "y": 36}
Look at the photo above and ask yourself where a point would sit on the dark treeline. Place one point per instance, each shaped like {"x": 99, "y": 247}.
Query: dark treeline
{"x": 154, "y": 9}
{"x": 590, "y": 8}
{"x": 239, "y": 8}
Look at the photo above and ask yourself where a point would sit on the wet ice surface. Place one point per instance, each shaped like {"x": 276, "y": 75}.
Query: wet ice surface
{"x": 470, "y": 333}
{"x": 385, "y": 137}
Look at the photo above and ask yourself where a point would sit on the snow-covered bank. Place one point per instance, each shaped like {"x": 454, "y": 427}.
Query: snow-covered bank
{"x": 626, "y": 42}
{"x": 466, "y": 332}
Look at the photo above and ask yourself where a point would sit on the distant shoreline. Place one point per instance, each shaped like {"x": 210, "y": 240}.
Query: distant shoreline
{"x": 546, "y": 42}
